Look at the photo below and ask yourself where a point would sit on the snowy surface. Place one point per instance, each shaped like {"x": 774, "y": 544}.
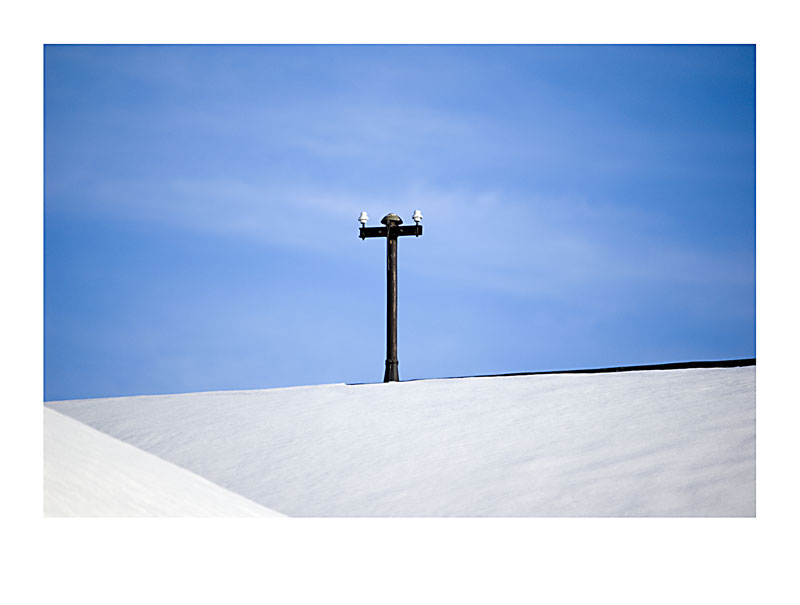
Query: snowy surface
{"x": 89, "y": 474}
{"x": 648, "y": 443}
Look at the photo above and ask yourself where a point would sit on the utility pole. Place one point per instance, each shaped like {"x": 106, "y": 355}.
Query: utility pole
{"x": 392, "y": 230}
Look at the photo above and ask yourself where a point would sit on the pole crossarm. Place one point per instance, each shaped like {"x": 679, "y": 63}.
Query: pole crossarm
{"x": 397, "y": 231}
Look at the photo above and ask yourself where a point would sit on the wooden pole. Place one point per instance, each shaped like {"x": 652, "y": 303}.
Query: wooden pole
{"x": 392, "y": 373}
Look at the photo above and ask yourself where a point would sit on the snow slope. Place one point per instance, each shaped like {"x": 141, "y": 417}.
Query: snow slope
{"x": 89, "y": 474}
{"x": 645, "y": 443}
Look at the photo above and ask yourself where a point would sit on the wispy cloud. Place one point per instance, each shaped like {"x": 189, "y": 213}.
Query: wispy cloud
{"x": 536, "y": 247}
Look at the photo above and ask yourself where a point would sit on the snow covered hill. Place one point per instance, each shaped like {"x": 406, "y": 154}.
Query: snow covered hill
{"x": 89, "y": 474}
{"x": 645, "y": 443}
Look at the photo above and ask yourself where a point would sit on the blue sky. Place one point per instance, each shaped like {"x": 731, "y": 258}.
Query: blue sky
{"x": 584, "y": 206}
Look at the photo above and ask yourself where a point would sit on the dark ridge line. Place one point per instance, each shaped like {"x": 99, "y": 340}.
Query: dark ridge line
{"x": 680, "y": 365}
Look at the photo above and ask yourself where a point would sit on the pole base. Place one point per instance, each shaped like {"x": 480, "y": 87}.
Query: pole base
{"x": 391, "y": 374}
